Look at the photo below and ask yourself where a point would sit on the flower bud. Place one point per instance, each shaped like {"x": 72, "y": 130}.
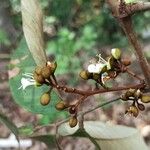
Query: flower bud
{"x": 85, "y": 75}
{"x": 145, "y": 98}
{"x": 73, "y": 121}
{"x": 38, "y": 70}
{"x": 45, "y": 99}
{"x": 141, "y": 107}
{"x": 39, "y": 79}
{"x": 133, "y": 110}
{"x": 130, "y": 92}
{"x": 126, "y": 62}
{"x": 60, "y": 106}
{"x": 46, "y": 72}
{"x": 72, "y": 110}
{"x": 52, "y": 66}
{"x": 116, "y": 53}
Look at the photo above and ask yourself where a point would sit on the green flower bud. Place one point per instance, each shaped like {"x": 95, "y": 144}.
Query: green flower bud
{"x": 45, "y": 99}
{"x": 85, "y": 75}
{"x": 116, "y": 53}
{"x": 145, "y": 98}
{"x": 73, "y": 121}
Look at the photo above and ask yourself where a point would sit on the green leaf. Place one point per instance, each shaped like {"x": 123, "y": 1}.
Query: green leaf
{"x": 111, "y": 137}
{"x": 30, "y": 97}
{"x": 10, "y": 125}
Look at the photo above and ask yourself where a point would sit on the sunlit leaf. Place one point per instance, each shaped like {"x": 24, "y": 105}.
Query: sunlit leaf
{"x": 33, "y": 29}
{"x": 111, "y": 137}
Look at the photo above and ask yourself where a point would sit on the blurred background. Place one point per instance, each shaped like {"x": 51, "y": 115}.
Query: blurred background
{"x": 74, "y": 31}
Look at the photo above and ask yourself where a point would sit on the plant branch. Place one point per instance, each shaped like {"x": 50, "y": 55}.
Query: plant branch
{"x": 96, "y": 91}
{"x": 119, "y": 9}
{"x": 136, "y": 7}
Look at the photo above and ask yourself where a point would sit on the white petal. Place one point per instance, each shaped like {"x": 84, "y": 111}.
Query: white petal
{"x": 95, "y": 68}
{"x": 26, "y": 82}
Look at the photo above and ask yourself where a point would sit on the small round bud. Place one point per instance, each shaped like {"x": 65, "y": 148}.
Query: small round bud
{"x": 85, "y": 75}
{"x": 60, "y": 106}
{"x": 45, "y": 99}
{"x": 126, "y": 62}
{"x": 116, "y": 53}
{"x": 73, "y": 121}
{"x": 72, "y": 110}
{"x": 141, "y": 107}
{"x": 133, "y": 110}
{"x": 46, "y": 72}
{"x": 145, "y": 98}
{"x": 38, "y": 70}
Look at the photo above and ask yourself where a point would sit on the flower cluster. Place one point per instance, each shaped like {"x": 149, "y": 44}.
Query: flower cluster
{"x": 102, "y": 70}
{"x": 137, "y": 98}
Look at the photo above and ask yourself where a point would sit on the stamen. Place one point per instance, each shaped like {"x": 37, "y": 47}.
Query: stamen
{"x": 101, "y": 60}
{"x": 30, "y": 75}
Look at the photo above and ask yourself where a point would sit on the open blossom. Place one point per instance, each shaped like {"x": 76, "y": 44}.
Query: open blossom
{"x": 27, "y": 80}
{"x": 98, "y": 66}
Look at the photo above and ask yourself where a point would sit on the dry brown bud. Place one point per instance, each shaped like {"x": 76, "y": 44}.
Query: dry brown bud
{"x": 126, "y": 62}
{"x": 46, "y": 72}
{"x": 73, "y": 121}
{"x": 61, "y": 105}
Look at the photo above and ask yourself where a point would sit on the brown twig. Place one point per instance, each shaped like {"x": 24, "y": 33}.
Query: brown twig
{"x": 96, "y": 91}
{"x": 134, "y": 75}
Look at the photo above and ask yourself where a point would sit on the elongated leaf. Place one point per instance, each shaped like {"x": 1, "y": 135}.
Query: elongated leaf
{"x": 13, "y": 128}
{"x": 33, "y": 29}
{"x": 109, "y": 137}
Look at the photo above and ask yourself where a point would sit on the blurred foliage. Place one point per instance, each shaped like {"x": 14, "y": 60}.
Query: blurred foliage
{"x": 3, "y": 38}
{"x": 75, "y": 15}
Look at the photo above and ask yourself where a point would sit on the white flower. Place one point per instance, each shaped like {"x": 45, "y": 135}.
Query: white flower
{"x": 95, "y": 68}
{"x": 98, "y": 66}
{"x": 27, "y": 80}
